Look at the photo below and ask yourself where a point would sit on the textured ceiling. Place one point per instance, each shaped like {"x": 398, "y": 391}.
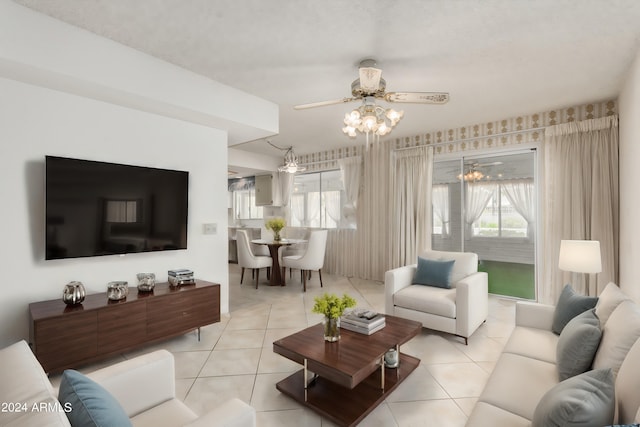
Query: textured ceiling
{"x": 496, "y": 58}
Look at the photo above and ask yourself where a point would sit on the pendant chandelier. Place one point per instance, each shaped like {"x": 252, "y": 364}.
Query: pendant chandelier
{"x": 371, "y": 119}
{"x": 472, "y": 175}
{"x": 291, "y": 163}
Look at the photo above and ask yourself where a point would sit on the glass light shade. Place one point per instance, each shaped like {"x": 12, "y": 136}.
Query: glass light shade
{"x": 580, "y": 256}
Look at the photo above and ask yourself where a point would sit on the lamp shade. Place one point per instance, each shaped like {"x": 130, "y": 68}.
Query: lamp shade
{"x": 580, "y": 256}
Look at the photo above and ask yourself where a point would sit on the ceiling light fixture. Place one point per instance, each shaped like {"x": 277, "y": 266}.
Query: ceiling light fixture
{"x": 290, "y": 164}
{"x": 472, "y": 175}
{"x": 371, "y": 119}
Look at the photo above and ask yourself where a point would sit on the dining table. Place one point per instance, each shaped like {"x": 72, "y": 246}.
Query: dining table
{"x": 274, "y": 248}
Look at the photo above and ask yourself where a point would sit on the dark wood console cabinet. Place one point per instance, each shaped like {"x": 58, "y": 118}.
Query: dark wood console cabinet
{"x": 64, "y": 336}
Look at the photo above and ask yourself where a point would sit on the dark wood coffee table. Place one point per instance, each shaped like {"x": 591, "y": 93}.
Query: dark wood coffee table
{"x": 347, "y": 379}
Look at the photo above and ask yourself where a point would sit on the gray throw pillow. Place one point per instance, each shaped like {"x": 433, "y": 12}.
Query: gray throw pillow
{"x": 433, "y": 273}
{"x": 577, "y": 345}
{"x": 586, "y": 400}
{"x": 569, "y": 306}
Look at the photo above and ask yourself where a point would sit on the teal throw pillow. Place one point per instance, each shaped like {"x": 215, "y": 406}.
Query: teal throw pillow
{"x": 433, "y": 273}
{"x": 91, "y": 405}
{"x": 577, "y": 345}
{"x": 586, "y": 400}
{"x": 569, "y": 305}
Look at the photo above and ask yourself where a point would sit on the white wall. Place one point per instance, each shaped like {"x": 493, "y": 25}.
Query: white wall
{"x": 67, "y": 92}
{"x": 39, "y": 121}
{"x": 629, "y": 108}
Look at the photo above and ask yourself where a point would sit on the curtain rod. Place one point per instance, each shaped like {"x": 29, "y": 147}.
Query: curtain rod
{"x": 514, "y": 132}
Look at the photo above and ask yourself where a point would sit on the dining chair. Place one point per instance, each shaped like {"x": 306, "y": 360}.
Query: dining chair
{"x": 246, "y": 258}
{"x": 312, "y": 259}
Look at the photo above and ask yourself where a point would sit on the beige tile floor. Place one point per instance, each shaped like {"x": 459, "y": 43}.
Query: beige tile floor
{"x": 235, "y": 358}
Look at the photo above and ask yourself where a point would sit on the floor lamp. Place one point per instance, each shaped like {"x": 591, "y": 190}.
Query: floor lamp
{"x": 580, "y": 256}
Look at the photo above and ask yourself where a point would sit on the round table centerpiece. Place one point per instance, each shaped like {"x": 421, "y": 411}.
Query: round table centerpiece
{"x": 332, "y": 307}
{"x": 276, "y": 225}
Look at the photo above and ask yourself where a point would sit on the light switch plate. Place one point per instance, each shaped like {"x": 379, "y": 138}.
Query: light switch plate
{"x": 211, "y": 228}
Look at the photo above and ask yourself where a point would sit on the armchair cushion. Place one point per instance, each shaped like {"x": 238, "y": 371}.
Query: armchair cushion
{"x": 433, "y": 273}
{"x": 427, "y": 299}
{"x": 91, "y": 405}
{"x": 466, "y": 262}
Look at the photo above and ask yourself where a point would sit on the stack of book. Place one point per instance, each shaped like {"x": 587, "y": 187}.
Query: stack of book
{"x": 181, "y": 277}
{"x": 362, "y": 321}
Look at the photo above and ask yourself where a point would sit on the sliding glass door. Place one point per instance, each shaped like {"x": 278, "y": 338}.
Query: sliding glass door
{"x": 487, "y": 205}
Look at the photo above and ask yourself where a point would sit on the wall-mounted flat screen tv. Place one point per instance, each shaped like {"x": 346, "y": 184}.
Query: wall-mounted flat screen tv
{"x": 97, "y": 208}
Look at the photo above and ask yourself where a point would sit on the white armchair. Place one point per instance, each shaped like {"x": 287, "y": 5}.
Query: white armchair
{"x": 459, "y": 310}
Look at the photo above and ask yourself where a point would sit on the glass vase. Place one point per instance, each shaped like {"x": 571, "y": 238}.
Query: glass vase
{"x": 331, "y": 329}
{"x": 276, "y": 236}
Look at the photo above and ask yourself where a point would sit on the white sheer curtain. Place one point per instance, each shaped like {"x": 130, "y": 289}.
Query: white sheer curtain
{"x": 313, "y": 209}
{"x": 521, "y": 194}
{"x": 332, "y": 206}
{"x": 297, "y": 208}
{"x": 440, "y": 201}
{"x": 477, "y": 197}
{"x": 581, "y": 200}
{"x": 411, "y": 184}
{"x": 285, "y": 186}
{"x": 350, "y": 172}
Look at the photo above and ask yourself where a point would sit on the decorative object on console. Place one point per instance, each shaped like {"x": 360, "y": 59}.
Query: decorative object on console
{"x": 146, "y": 282}
{"x": 117, "y": 290}
{"x": 73, "y": 293}
{"x": 179, "y": 277}
{"x": 332, "y": 307}
{"x": 276, "y": 225}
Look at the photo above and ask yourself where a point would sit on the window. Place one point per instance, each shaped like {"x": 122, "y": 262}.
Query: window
{"x": 499, "y": 218}
{"x": 317, "y": 200}
{"x": 244, "y": 205}
{"x": 244, "y": 198}
{"x": 440, "y": 205}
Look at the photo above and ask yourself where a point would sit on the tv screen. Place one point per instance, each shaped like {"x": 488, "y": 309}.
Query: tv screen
{"x": 96, "y": 208}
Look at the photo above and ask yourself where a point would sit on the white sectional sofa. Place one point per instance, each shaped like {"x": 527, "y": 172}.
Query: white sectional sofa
{"x": 144, "y": 386}
{"x": 527, "y": 368}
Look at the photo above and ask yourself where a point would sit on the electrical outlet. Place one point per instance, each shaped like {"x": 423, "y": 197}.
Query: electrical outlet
{"x": 210, "y": 228}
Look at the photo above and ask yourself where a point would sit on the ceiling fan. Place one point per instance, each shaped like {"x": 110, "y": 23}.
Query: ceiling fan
{"x": 370, "y": 84}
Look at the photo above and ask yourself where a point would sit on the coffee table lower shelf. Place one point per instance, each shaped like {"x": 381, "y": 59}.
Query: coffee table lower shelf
{"x": 344, "y": 406}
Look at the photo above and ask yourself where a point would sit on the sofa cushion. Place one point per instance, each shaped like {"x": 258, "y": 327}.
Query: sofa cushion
{"x": 532, "y": 342}
{"x": 570, "y": 304}
{"x": 172, "y": 413}
{"x": 485, "y": 414}
{"x": 618, "y": 335}
{"x": 433, "y": 273}
{"x": 517, "y": 384}
{"x": 609, "y": 300}
{"x": 627, "y": 390}
{"x": 577, "y": 345}
{"x": 584, "y": 400}
{"x": 466, "y": 263}
{"x": 91, "y": 405}
{"x": 427, "y": 299}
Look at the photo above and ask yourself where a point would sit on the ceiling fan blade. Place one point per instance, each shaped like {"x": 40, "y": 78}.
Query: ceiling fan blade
{"x": 418, "y": 97}
{"x": 323, "y": 103}
{"x": 370, "y": 78}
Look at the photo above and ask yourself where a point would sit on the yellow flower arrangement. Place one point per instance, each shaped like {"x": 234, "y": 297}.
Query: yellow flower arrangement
{"x": 276, "y": 225}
